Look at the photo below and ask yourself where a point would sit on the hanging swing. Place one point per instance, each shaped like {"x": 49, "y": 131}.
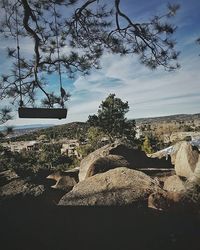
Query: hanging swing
{"x": 31, "y": 112}
{"x": 49, "y": 113}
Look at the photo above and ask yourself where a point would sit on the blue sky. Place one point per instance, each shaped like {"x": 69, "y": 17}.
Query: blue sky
{"x": 149, "y": 93}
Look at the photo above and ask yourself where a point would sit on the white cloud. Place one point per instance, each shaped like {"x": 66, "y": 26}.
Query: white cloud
{"x": 149, "y": 93}
{"x": 156, "y": 92}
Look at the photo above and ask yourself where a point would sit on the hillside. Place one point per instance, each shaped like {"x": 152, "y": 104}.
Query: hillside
{"x": 25, "y": 130}
{"x": 69, "y": 130}
{"x": 170, "y": 118}
{"x": 79, "y": 129}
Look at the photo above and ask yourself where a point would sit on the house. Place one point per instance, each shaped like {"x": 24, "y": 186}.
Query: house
{"x": 32, "y": 146}
{"x": 70, "y": 148}
{"x": 21, "y": 145}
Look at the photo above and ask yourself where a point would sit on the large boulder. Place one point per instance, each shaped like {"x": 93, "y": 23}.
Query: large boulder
{"x": 20, "y": 188}
{"x": 186, "y": 201}
{"x": 174, "y": 184}
{"x": 185, "y": 159}
{"x": 117, "y": 155}
{"x": 103, "y": 164}
{"x": 89, "y": 160}
{"x": 120, "y": 186}
{"x": 195, "y": 177}
{"x": 162, "y": 200}
{"x": 64, "y": 180}
{"x": 20, "y": 191}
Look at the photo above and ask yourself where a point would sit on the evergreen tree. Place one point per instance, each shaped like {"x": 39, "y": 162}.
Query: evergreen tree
{"x": 5, "y": 114}
{"x": 94, "y": 136}
{"x": 111, "y": 119}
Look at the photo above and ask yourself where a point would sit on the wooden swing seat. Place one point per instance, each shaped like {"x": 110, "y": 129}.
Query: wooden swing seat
{"x": 47, "y": 113}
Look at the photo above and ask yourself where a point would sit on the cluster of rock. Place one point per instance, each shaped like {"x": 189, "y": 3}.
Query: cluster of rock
{"x": 112, "y": 175}
{"x": 183, "y": 187}
{"x": 14, "y": 187}
{"x": 64, "y": 180}
{"x": 119, "y": 186}
{"x": 184, "y": 157}
{"x": 118, "y": 155}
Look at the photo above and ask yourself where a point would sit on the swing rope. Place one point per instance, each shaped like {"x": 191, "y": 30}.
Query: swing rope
{"x": 18, "y": 57}
{"x": 62, "y": 92}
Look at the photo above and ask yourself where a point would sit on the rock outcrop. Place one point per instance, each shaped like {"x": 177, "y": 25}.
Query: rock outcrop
{"x": 174, "y": 184}
{"x": 20, "y": 188}
{"x": 117, "y": 155}
{"x": 7, "y": 176}
{"x": 31, "y": 189}
{"x": 162, "y": 200}
{"x": 103, "y": 164}
{"x": 185, "y": 159}
{"x": 14, "y": 187}
{"x": 64, "y": 180}
{"x": 120, "y": 186}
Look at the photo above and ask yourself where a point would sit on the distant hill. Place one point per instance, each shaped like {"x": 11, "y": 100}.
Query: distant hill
{"x": 25, "y": 129}
{"x": 170, "y": 118}
{"x": 31, "y": 126}
{"x": 79, "y": 129}
{"x": 70, "y": 130}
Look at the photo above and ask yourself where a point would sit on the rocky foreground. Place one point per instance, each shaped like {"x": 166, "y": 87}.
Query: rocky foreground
{"x": 109, "y": 202}
{"x": 113, "y": 175}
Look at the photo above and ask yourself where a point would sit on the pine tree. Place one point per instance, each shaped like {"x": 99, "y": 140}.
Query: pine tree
{"x": 83, "y": 30}
{"x": 111, "y": 119}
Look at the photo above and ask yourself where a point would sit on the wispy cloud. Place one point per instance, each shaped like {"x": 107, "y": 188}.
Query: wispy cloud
{"x": 149, "y": 93}
{"x": 141, "y": 87}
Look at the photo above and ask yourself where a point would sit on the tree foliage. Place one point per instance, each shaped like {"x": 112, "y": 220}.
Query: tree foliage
{"x": 111, "y": 119}
{"x": 47, "y": 157}
{"x": 94, "y": 141}
{"x": 146, "y": 146}
{"x": 198, "y": 41}
{"x": 5, "y": 114}
{"x": 83, "y": 31}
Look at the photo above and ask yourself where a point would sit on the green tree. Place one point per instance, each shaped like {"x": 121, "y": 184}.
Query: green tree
{"x": 5, "y": 115}
{"x": 94, "y": 136}
{"x": 49, "y": 154}
{"x": 85, "y": 29}
{"x": 111, "y": 119}
{"x": 146, "y": 146}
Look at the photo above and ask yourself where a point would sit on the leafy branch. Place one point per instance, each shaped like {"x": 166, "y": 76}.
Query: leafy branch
{"x": 83, "y": 35}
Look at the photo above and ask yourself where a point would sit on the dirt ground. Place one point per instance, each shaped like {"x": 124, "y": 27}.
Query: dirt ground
{"x": 32, "y": 227}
